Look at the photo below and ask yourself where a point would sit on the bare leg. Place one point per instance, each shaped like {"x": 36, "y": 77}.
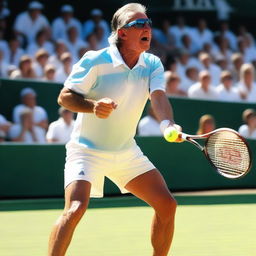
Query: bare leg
{"x": 76, "y": 201}
{"x": 151, "y": 188}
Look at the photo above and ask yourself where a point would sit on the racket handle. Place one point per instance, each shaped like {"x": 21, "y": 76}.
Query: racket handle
{"x": 184, "y": 136}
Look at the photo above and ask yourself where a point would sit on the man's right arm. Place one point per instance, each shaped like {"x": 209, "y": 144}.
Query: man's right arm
{"x": 77, "y": 103}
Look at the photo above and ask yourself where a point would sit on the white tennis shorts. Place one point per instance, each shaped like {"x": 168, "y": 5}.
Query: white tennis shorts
{"x": 93, "y": 165}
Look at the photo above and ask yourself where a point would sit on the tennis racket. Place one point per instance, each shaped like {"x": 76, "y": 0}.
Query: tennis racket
{"x": 226, "y": 150}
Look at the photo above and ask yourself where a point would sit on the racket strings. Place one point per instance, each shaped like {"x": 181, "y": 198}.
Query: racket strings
{"x": 229, "y": 153}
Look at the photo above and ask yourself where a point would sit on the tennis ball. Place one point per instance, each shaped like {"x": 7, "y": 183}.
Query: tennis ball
{"x": 171, "y": 134}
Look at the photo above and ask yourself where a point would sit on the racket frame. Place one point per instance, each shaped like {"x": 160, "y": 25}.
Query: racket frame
{"x": 191, "y": 139}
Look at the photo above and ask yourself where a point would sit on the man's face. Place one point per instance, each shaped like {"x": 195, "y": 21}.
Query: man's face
{"x": 136, "y": 39}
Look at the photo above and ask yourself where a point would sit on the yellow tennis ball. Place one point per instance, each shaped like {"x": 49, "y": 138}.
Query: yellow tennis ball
{"x": 171, "y": 134}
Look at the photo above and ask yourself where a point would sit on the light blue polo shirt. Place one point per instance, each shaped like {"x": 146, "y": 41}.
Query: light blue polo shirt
{"x": 101, "y": 74}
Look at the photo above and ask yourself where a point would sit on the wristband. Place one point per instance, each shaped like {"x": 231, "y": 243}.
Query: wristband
{"x": 164, "y": 124}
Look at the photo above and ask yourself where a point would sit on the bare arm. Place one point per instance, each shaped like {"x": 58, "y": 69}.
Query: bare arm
{"x": 161, "y": 106}
{"x": 77, "y": 103}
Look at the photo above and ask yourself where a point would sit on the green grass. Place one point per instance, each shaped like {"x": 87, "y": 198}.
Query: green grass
{"x": 201, "y": 230}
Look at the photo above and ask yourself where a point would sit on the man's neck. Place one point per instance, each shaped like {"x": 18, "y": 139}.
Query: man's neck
{"x": 130, "y": 57}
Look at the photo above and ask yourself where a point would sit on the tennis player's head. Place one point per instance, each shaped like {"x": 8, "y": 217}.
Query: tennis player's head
{"x": 131, "y": 28}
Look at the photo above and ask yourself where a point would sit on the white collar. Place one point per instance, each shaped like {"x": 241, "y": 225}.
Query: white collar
{"x": 118, "y": 60}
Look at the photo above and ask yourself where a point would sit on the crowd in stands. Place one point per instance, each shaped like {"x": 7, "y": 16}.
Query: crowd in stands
{"x": 199, "y": 63}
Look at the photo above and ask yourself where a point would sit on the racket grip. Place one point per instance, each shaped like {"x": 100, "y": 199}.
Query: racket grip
{"x": 183, "y": 136}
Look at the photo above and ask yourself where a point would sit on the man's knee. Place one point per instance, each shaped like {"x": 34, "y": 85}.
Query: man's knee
{"x": 75, "y": 211}
{"x": 166, "y": 208}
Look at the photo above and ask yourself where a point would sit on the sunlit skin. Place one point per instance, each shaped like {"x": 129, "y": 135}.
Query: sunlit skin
{"x": 132, "y": 44}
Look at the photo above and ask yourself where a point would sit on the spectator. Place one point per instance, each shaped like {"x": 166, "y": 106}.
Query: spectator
{"x": 60, "y": 48}
{"x": 60, "y": 130}
{"x": 227, "y": 33}
{"x": 66, "y": 20}
{"x": 245, "y": 50}
{"x": 190, "y": 79}
{"x": 237, "y": 61}
{"x": 63, "y": 72}
{"x": 25, "y": 70}
{"x": 226, "y": 91}
{"x": 201, "y": 34}
{"x": 213, "y": 69}
{"x": 247, "y": 86}
{"x": 206, "y": 124}
{"x": 223, "y": 48}
{"x": 3, "y": 66}
{"x": 184, "y": 61}
{"x": 26, "y": 131}
{"x": 93, "y": 43}
{"x": 102, "y": 40}
{"x": 96, "y": 20}
{"x": 203, "y": 89}
{"x": 4, "y": 11}
{"x": 172, "y": 83}
{"x": 163, "y": 38}
{"x": 179, "y": 30}
{"x": 41, "y": 59}
{"x": 4, "y": 127}
{"x": 171, "y": 64}
{"x": 49, "y": 73}
{"x": 74, "y": 43}
{"x": 28, "y": 23}
{"x": 222, "y": 62}
{"x": 248, "y": 130}
{"x": 188, "y": 45}
{"x": 15, "y": 52}
{"x": 149, "y": 125}
{"x": 28, "y": 100}
{"x": 40, "y": 42}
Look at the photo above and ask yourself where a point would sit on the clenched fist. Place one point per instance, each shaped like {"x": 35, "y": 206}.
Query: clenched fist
{"x": 104, "y": 107}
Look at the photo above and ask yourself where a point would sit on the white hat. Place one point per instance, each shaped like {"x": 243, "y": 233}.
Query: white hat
{"x": 67, "y": 8}
{"x": 96, "y": 12}
{"x": 35, "y": 5}
{"x": 26, "y": 91}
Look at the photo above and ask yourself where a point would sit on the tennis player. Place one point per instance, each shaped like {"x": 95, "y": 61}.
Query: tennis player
{"x": 109, "y": 89}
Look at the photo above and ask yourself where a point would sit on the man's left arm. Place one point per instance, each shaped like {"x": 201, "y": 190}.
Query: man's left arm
{"x": 163, "y": 111}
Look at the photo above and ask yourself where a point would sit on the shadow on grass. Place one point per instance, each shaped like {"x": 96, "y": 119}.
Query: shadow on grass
{"x": 124, "y": 201}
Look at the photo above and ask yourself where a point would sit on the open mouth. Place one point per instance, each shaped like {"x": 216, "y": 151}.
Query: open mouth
{"x": 145, "y": 39}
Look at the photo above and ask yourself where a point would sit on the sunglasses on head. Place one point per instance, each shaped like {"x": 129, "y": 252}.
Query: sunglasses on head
{"x": 140, "y": 23}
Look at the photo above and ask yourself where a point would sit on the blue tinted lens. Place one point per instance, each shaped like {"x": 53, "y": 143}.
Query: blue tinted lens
{"x": 140, "y": 23}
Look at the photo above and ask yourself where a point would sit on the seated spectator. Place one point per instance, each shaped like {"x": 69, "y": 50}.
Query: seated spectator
{"x": 149, "y": 125}
{"x": 223, "y": 48}
{"x": 245, "y": 50}
{"x": 179, "y": 30}
{"x": 236, "y": 62}
{"x": 49, "y": 73}
{"x": 226, "y": 91}
{"x": 227, "y": 33}
{"x": 28, "y": 100}
{"x": 66, "y": 20}
{"x": 201, "y": 34}
{"x": 28, "y": 23}
{"x": 184, "y": 61}
{"x": 60, "y": 48}
{"x": 172, "y": 83}
{"x": 60, "y": 130}
{"x": 203, "y": 89}
{"x": 206, "y": 124}
{"x": 26, "y": 131}
{"x": 102, "y": 40}
{"x": 96, "y": 20}
{"x": 3, "y": 66}
{"x": 162, "y": 38}
{"x": 15, "y": 51}
{"x": 74, "y": 43}
{"x": 41, "y": 42}
{"x": 222, "y": 62}
{"x": 41, "y": 60}
{"x": 25, "y": 69}
{"x": 171, "y": 64}
{"x": 213, "y": 69}
{"x": 248, "y": 129}
{"x": 247, "y": 86}
{"x": 190, "y": 79}
{"x": 4, "y": 127}
{"x": 188, "y": 45}
{"x": 63, "y": 72}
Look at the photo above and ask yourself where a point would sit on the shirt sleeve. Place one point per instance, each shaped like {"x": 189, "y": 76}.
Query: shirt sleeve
{"x": 51, "y": 134}
{"x": 82, "y": 77}
{"x": 157, "y": 81}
